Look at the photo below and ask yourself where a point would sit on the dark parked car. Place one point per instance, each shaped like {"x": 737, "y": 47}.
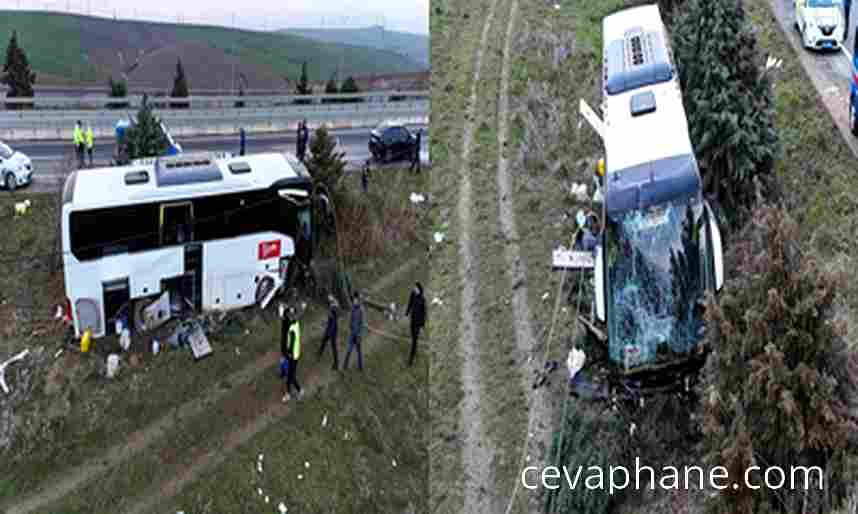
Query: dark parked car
{"x": 392, "y": 142}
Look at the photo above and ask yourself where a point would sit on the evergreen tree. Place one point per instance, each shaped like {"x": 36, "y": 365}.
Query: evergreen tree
{"x": 778, "y": 384}
{"x": 17, "y": 75}
{"x": 325, "y": 163}
{"x": 180, "y": 86}
{"x": 728, "y": 101}
{"x": 145, "y": 138}
{"x": 304, "y": 81}
{"x": 331, "y": 89}
{"x": 350, "y": 87}
{"x": 118, "y": 89}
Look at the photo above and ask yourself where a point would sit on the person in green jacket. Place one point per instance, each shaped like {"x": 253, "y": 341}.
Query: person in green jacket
{"x": 79, "y": 143}
{"x": 90, "y": 141}
{"x": 293, "y": 336}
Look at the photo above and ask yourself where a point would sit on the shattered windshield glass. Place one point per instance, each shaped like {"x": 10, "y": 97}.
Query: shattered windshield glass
{"x": 655, "y": 278}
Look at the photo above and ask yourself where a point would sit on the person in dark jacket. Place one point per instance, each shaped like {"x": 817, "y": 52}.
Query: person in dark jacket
{"x": 355, "y": 337}
{"x": 417, "y": 310}
{"x": 293, "y": 352}
{"x": 415, "y": 158}
{"x": 331, "y": 333}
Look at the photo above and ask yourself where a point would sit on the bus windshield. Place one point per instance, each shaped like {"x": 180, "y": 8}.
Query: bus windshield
{"x": 655, "y": 279}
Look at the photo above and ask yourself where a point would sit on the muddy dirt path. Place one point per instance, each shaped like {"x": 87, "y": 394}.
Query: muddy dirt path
{"x": 538, "y": 408}
{"x": 69, "y": 480}
{"x": 476, "y": 456}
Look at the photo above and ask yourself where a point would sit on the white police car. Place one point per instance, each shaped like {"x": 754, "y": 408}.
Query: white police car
{"x": 820, "y": 23}
{"x": 16, "y": 169}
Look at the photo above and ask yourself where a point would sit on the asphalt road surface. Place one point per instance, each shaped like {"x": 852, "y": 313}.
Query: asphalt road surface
{"x": 829, "y": 72}
{"x": 49, "y": 157}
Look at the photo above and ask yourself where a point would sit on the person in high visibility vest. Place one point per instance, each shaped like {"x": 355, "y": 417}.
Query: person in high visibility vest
{"x": 90, "y": 141}
{"x": 79, "y": 143}
{"x": 293, "y": 348}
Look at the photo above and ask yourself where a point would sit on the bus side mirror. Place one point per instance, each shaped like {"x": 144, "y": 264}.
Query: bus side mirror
{"x": 717, "y": 250}
{"x": 598, "y": 272}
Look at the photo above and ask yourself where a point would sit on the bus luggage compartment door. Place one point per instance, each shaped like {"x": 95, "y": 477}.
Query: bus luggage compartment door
{"x": 194, "y": 268}
{"x": 117, "y": 294}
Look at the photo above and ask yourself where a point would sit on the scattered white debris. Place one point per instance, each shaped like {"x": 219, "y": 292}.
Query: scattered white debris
{"x": 528, "y": 458}
{"x": 575, "y": 362}
{"x": 437, "y": 301}
{"x": 267, "y": 500}
{"x": 545, "y": 296}
{"x": 282, "y": 508}
{"x": 59, "y": 352}
{"x": 394, "y": 463}
{"x": 300, "y": 477}
{"x": 125, "y": 339}
{"x": 579, "y": 192}
{"x": 772, "y": 62}
{"x": 563, "y": 310}
{"x": 259, "y": 467}
{"x": 3, "y": 368}
{"x": 325, "y": 421}
{"x": 246, "y": 332}
{"x": 417, "y": 198}
{"x": 59, "y": 313}
{"x": 112, "y": 365}
{"x": 22, "y": 207}
{"x": 306, "y": 464}
{"x": 237, "y": 352}
{"x": 632, "y": 429}
{"x": 530, "y": 434}
{"x": 260, "y": 491}
{"x": 439, "y": 237}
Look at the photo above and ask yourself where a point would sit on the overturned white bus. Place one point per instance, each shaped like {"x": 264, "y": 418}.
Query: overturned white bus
{"x": 210, "y": 229}
{"x": 660, "y": 249}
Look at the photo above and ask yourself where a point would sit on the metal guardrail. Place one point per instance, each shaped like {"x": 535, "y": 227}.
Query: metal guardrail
{"x": 36, "y": 124}
{"x": 102, "y": 101}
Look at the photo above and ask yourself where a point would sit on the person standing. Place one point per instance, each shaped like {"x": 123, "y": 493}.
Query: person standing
{"x": 300, "y": 144}
{"x": 331, "y": 333}
{"x": 90, "y": 142}
{"x": 364, "y": 177}
{"x": 417, "y": 310}
{"x": 305, "y": 139}
{"x": 285, "y": 323}
{"x": 355, "y": 337}
{"x": 294, "y": 349}
{"x": 415, "y": 158}
{"x": 78, "y": 143}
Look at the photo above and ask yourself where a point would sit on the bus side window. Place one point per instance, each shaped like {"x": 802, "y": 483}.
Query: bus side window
{"x": 176, "y": 224}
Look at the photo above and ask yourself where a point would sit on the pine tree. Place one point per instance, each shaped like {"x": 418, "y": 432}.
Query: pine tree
{"x": 778, "y": 383}
{"x": 180, "y": 86}
{"x": 350, "y": 87}
{"x": 331, "y": 89}
{"x": 728, "y": 101}
{"x": 145, "y": 138}
{"x": 17, "y": 74}
{"x": 304, "y": 81}
{"x": 325, "y": 163}
{"x": 117, "y": 89}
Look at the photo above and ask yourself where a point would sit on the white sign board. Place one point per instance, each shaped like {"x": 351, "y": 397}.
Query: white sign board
{"x": 573, "y": 259}
{"x": 199, "y": 343}
{"x": 592, "y": 118}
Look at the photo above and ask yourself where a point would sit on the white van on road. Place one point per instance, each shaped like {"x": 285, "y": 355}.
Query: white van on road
{"x": 820, "y": 23}
{"x": 16, "y": 169}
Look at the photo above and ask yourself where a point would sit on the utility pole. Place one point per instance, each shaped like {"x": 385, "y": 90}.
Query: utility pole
{"x": 233, "y": 56}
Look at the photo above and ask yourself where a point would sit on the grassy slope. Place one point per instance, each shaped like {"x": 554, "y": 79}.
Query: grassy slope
{"x": 87, "y": 414}
{"x": 415, "y": 46}
{"x": 61, "y": 55}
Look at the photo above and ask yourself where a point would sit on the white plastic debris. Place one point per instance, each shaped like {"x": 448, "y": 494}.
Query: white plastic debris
{"x": 112, "y": 365}
{"x": 557, "y": 6}
{"x": 545, "y": 296}
{"x": 259, "y": 467}
{"x": 437, "y": 301}
{"x": 575, "y": 362}
{"x": 260, "y": 491}
{"x": 282, "y": 508}
{"x": 59, "y": 313}
{"x": 325, "y": 421}
{"x": 417, "y": 198}
{"x": 632, "y": 429}
{"x": 439, "y": 237}
{"x": 579, "y": 192}
{"x": 16, "y": 358}
{"x": 261, "y": 457}
{"x": 59, "y": 352}
{"x": 300, "y": 477}
{"x": 267, "y": 500}
{"x": 22, "y": 207}
{"x": 125, "y": 339}
{"x": 306, "y": 464}
{"x": 394, "y": 463}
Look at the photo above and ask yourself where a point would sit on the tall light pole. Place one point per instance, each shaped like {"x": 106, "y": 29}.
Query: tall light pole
{"x": 233, "y": 55}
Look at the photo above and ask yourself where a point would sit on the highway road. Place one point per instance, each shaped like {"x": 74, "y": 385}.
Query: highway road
{"x": 49, "y": 157}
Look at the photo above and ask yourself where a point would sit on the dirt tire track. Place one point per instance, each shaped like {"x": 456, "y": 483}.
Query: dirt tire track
{"x": 69, "y": 480}
{"x": 475, "y": 455}
{"x": 538, "y": 407}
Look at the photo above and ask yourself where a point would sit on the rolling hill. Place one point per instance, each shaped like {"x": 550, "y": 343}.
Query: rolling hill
{"x": 415, "y": 46}
{"x": 89, "y": 50}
